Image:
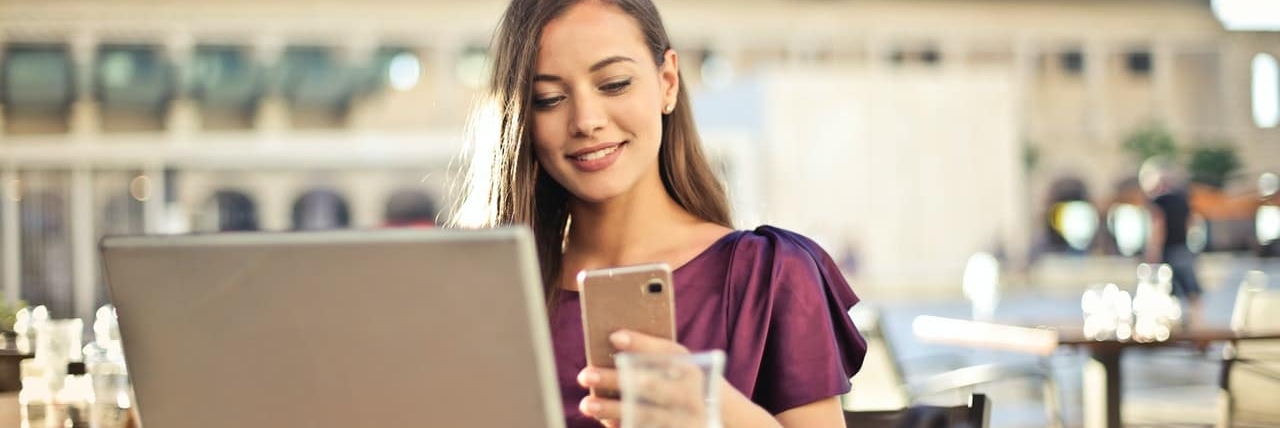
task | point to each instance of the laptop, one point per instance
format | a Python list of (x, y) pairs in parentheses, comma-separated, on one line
[(335, 329)]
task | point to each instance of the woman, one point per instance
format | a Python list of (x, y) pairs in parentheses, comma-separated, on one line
[(598, 154)]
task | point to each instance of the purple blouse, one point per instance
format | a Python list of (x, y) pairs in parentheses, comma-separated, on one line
[(772, 299)]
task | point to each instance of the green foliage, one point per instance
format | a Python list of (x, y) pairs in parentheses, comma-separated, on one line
[(1213, 165), (9, 313), (1150, 141)]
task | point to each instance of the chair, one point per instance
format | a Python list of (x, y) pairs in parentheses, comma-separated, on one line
[(892, 391), (1250, 380), (977, 414)]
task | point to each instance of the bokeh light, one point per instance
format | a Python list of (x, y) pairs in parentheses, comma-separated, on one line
[(1077, 222), (404, 71)]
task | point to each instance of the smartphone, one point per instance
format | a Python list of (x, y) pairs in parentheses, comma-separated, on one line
[(639, 298)]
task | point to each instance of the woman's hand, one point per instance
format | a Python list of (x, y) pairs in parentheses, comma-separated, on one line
[(669, 395)]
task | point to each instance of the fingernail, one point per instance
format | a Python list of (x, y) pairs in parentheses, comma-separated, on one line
[(589, 407), (588, 377), (620, 339)]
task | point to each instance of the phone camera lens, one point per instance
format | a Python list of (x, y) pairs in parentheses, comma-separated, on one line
[(655, 287)]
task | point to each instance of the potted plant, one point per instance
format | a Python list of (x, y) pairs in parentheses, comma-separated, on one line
[(1150, 141), (1213, 164), (10, 358), (8, 316)]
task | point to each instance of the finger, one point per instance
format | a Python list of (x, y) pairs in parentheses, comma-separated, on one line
[(611, 423), (630, 341), (598, 377), (600, 408)]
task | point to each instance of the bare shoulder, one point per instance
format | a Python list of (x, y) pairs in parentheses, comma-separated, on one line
[(708, 233), (692, 241)]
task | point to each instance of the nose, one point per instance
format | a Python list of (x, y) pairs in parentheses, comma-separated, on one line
[(588, 116)]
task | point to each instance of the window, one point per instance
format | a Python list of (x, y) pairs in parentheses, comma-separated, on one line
[(44, 216), (930, 56), (1266, 91), (916, 54), (1072, 222), (1139, 63), (37, 86), (134, 85), (1129, 224), (228, 211), (897, 57), (397, 68), (411, 207), (1072, 62), (227, 84), (320, 209), (318, 88)]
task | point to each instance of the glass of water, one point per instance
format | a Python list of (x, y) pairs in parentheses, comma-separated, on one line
[(670, 390)]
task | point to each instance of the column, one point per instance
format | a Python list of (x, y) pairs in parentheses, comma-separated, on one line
[(1018, 238), (954, 53), (84, 260), (877, 54), (272, 118), (12, 245), (1163, 60), (1025, 66), (367, 194), (443, 59), (355, 57), (2, 114), (154, 208), (273, 195), (1234, 88), (86, 120), (1096, 68), (183, 117)]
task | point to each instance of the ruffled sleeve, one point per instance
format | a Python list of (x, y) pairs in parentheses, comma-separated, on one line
[(791, 340)]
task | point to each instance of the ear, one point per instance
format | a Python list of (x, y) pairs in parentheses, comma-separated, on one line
[(669, 74)]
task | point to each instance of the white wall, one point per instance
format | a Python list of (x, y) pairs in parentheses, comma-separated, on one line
[(915, 170)]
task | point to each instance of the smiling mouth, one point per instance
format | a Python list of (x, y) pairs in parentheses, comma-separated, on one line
[(592, 154)]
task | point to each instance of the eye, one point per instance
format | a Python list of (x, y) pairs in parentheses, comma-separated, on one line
[(616, 86), (548, 101)]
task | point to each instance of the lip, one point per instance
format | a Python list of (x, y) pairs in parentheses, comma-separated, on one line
[(596, 164), (594, 148)]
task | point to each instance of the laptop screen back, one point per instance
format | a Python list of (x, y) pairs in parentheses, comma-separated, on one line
[(335, 329)]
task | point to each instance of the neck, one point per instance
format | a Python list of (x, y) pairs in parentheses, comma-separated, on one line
[(627, 229)]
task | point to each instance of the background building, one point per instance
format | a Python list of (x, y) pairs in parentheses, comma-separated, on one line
[(905, 135)]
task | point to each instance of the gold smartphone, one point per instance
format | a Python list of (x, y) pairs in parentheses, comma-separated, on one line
[(639, 298)]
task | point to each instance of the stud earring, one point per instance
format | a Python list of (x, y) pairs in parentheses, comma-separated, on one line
[(669, 109)]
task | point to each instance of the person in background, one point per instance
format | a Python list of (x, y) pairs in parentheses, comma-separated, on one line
[(1170, 210), (596, 151)]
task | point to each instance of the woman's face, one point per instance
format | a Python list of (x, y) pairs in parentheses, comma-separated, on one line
[(598, 99)]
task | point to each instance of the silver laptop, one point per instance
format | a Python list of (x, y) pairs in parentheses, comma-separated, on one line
[(342, 329)]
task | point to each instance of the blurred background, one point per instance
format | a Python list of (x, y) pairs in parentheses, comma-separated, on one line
[(904, 135)]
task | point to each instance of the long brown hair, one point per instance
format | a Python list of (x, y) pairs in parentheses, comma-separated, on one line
[(505, 184)]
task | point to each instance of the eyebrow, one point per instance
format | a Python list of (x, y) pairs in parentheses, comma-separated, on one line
[(594, 68)]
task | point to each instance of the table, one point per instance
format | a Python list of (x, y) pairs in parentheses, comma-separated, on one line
[(1103, 376), (1103, 373), (9, 368)]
